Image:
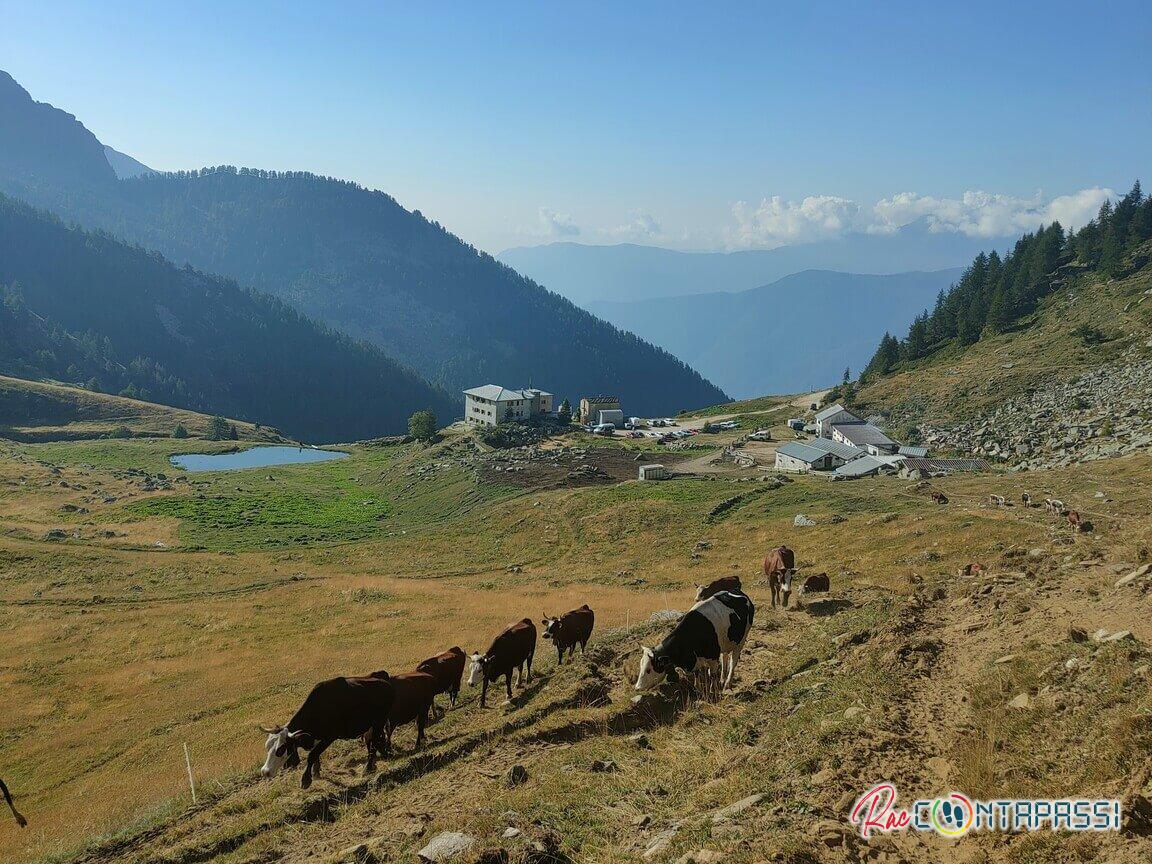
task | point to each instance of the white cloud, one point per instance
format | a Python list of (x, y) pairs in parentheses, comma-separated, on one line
[(555, 224), (777, 222), (640, 226), (984, 214)]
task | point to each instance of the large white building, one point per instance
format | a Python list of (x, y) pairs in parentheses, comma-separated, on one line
[(491, 404)]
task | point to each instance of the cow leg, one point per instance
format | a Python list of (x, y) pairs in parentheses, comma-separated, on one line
[(559, 655), (421, 722), (530, 656), (310, 767), (452, 694), (375, 735), (733, 659), (508, 684), (483, 692), (20, 820)]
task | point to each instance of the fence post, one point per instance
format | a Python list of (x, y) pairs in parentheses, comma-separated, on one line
[(188, 764)]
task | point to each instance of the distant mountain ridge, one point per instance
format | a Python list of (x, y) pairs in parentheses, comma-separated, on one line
[(628, 272), (358, 261), (124, 165), (80, 307), (797, 333)]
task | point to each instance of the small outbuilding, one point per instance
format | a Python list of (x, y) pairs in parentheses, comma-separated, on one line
[(798, 456), (653, 472)]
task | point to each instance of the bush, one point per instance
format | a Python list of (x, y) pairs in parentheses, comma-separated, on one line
[(120, 432), (422, 425), (217, 428), (180, 432)]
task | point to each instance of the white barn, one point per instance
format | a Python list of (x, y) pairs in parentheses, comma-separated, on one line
[(831, 416)]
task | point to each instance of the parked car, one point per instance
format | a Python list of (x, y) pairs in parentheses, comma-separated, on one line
[(761, 435), (604, 429), (635, 434)]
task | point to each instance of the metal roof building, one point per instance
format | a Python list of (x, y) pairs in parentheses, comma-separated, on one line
[(914, 452), (865, 466), (844, 452), (865, 436), (797, 456)]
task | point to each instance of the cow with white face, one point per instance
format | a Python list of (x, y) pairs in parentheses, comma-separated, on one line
[(706, 643), (780, 567), (511, 651), (340, 708)]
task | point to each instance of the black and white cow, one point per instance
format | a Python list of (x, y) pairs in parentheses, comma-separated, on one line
[(707, 641)]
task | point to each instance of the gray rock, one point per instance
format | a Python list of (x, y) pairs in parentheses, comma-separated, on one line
[(726, 813), (446, 846)]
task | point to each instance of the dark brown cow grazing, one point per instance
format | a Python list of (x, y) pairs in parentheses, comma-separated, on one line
[(412, 701), (779, 567), (1073, 519), (939, 498), (20, 820), (335, 709), (1026, 500), (569, 630), (448, 670), (511, 651), (724, 583)]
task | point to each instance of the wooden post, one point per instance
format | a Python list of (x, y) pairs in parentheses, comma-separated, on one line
[(188, 764)]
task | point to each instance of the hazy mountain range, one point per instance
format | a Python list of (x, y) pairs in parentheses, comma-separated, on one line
[(627, 272), (797, 333), (349, 257)]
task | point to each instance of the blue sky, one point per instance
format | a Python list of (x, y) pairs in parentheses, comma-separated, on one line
[(671, 124)]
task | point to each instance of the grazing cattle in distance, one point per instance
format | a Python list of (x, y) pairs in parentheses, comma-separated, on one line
[(997, 501), (818, 584), (724, 583), (569, 630), (20, 820), (338, 708), (448, 670), (971, 569), (1076, 522), (1054, 505), (780, 567), (939, 498), (412, 697), (711, 632), (1026, 500), (511, 650)]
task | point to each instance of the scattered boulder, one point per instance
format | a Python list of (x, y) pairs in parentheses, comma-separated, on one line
[(658, 845), (1022, 701), (726, 813), (446, 846)]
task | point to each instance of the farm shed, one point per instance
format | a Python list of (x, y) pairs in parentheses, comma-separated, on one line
[(653, 472), (796, 456)]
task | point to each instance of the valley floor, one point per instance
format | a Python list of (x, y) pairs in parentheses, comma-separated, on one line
[(138, 614)]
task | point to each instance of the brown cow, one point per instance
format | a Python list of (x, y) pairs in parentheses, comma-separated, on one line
[(780, 567), (20, 820), (448, 670), (412, 701), (939, 498), (724, 583), (511, 651), (1026, 500), (818, 584), (569, 630)]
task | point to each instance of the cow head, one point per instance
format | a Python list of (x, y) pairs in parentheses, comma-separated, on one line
[(476, 669), (283, 749), (551, 627), (786, 585), (701, 592), (653, 668)]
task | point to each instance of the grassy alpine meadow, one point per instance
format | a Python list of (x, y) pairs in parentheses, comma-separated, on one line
[(139, 615)]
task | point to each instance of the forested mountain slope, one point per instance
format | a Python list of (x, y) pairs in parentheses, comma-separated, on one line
[(1057, 306), (360, 262), (83, 307)]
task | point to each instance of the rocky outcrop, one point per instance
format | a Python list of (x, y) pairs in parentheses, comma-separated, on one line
[(1101, 414)]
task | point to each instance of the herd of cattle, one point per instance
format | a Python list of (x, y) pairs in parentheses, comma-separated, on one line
[(706, 644)]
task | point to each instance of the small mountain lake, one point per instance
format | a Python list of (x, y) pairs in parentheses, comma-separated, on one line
[(254, 457)]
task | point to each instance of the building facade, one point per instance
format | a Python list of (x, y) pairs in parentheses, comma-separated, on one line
[(491, 405), (591, 406)]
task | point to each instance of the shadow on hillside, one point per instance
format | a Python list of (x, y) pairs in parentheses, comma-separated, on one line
[(823, 608)]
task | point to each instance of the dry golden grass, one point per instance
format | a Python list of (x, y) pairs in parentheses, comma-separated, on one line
[(115, 653)]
